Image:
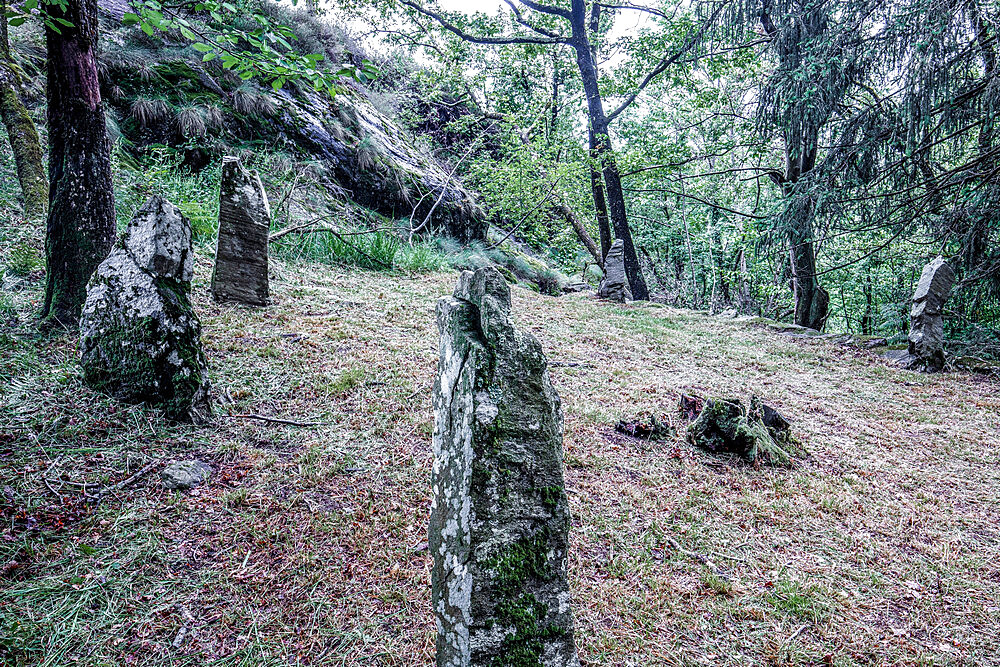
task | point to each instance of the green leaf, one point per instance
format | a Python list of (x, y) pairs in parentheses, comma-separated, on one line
[(148, 29), (130, 19), (209, 56), (201, 47)]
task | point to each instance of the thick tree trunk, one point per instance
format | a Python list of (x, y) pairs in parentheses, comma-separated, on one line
[(81, 223), (21, 131), (812, 302), (599, 124)]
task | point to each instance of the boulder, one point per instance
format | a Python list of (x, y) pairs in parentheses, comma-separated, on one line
[(614, 286), (500, 516), (185, 474), (240, 273), (140, 339), (926, 339)]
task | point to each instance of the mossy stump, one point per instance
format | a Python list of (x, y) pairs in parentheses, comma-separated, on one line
[(500, 517), (755, 432)]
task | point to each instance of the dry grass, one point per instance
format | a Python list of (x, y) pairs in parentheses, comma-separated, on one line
[(309, 545)]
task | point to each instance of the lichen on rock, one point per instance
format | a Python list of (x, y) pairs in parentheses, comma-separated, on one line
[(140, 339), (755, 432), (500, 516)]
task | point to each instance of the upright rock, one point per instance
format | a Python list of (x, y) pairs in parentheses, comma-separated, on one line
[(244, 224), (140, 340), (500, 517), (926, 348), (614, 286)]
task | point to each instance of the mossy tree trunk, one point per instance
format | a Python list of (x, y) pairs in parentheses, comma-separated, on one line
[(81, 222), (21, 132)]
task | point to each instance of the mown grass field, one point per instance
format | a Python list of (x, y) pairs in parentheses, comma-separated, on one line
[(308, 546)]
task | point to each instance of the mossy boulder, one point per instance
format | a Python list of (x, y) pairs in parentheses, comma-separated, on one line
[(500, 517), (140, 339)]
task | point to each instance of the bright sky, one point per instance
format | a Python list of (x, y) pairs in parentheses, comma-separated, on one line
[(472, 6)]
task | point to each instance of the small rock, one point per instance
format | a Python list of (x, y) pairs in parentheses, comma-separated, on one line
[(756, 433), (185, 474)]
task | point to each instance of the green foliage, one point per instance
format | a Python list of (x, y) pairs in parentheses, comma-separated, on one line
[(375, 251)]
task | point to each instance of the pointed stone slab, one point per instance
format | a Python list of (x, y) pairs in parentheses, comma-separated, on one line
[(926, 339), (500, 517), (614, 286), (240, 273)]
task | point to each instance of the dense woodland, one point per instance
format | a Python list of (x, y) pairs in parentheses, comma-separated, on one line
[(767, 167), (798, 160)]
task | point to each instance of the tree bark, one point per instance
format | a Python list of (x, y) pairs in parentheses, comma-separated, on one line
[(81, 223), (599, 125), (600, 205), (581, 232), (21, 132)]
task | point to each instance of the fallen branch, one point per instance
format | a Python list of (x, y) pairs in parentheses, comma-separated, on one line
[(275, 420), (128, 481), (692, 554)]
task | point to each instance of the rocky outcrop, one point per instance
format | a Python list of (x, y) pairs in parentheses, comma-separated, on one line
[(614, 286), (500, 516), (926, 339), (140, 340), (240, 273)]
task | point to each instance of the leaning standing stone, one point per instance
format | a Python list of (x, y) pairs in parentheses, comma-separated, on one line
[(241, 252), (614, 286), (926, 346), (500, 517), (140, 340)]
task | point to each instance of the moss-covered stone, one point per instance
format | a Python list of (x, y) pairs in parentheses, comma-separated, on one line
[(500, 517), (140, 339)]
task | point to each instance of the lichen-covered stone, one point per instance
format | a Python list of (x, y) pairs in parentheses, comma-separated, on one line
[(240, 273), (140, 340), (185, 474), (926, 340), (614, 286), (500, 516)]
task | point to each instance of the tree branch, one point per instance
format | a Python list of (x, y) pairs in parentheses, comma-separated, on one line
[(667, 61), (480, 39)]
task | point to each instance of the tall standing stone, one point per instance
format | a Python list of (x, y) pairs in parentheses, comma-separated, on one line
[(500, 517), (614, 286), (240, 273), (140, 340), (926, 346)]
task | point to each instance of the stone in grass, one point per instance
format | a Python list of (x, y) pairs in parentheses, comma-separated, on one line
[(500, 517), (185, 474), (140, 339), (614, 286), (240, 273), (926, 339), (757, 433)]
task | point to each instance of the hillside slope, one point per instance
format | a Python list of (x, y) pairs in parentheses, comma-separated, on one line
[(308, 547)]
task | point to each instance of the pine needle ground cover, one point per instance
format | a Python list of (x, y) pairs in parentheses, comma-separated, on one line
[(308, 546)]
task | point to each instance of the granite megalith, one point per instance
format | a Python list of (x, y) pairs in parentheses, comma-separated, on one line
[(926, 339), (140, 339), (614, 286), (240, 273), (500, 516)]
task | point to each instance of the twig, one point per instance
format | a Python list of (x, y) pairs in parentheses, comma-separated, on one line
[(128, 481), (794, 635), (275, 420), (691, 554)]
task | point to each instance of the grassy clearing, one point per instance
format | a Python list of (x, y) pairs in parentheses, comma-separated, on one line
[(309, 545)]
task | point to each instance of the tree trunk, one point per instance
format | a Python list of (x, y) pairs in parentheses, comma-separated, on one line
[(581, 232), (21, 131), (600, 205), (812, 302), (81, 223), (599, 125)]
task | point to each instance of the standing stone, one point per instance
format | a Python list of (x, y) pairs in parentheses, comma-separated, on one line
[(244, 224), (614, 286), (500, 517), (926, 349), (140, 340)]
